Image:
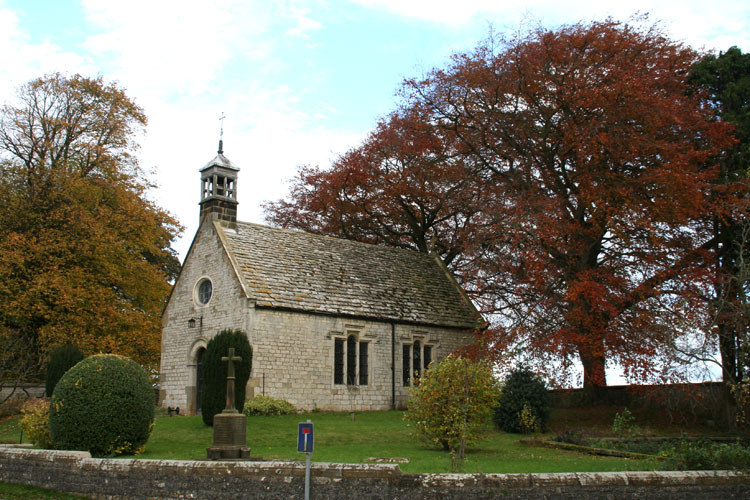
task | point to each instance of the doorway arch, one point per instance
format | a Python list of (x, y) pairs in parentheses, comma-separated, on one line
[(194, 382)]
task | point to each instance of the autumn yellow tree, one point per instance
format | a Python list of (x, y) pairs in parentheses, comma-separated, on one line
[(85, 257)]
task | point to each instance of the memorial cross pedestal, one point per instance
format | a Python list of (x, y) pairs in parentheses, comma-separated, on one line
[(230, 440)]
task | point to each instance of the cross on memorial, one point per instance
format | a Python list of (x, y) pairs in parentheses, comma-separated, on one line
[(230, 358)]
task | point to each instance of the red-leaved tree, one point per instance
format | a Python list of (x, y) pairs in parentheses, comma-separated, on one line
[(584, 173), (405, 186), (602, 157)]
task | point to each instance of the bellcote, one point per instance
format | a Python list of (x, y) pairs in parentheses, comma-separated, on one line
[(219, 189)]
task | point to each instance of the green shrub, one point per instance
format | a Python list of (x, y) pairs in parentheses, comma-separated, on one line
[(35, 422), (528, 421), (452, 403), (522, 388), (104, 405), (624, 424), (61, 360), (214, 393), (705, 455), (266, 405)]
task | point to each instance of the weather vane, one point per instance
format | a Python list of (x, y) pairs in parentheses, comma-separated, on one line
[(221, 134)]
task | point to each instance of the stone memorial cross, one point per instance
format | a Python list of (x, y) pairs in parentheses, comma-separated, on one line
[(230, 358)]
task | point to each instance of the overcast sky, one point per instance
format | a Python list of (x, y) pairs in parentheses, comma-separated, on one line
[(299, 81)]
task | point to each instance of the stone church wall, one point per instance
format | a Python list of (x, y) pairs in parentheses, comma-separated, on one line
[(293, 352), (180, 340), (293, 358)]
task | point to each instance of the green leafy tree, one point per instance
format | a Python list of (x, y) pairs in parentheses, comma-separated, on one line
[(62, 359), (214, 393), (452, 403), (724, 82), (85, 257)]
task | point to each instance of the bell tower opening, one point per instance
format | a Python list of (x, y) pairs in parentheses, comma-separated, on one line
[(219, 189)]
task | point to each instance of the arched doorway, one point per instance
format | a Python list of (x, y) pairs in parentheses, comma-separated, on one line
[(199, 378)]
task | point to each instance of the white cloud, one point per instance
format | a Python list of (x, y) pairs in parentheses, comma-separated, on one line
[(170, 48), (265, 135), (185, 63), (713, 25), (304, 23), (22, 60)]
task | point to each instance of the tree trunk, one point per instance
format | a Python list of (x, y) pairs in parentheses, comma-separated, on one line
[(729, 312), (594, 376)]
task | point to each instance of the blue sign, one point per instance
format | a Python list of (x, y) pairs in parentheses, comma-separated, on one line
[(305, 437)]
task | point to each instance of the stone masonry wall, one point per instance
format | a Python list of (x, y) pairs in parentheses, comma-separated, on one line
[(293, 358), (77, 472), (226, 309), (293, 352)]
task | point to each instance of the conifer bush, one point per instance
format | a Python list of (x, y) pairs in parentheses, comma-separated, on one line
[(214, 393), (61, 360), (104, 405), (523, 399)]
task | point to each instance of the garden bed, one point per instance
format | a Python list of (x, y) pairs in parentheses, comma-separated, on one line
[(683, 452)]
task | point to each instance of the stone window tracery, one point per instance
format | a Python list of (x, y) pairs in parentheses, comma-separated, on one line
[(350, 361)]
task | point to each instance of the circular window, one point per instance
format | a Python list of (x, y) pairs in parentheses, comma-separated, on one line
[(204, 292)]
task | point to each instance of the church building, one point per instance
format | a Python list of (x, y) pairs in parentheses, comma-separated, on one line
[(333, 324)]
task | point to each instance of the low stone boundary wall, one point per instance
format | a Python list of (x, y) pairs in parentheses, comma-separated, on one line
[(77, 472), (21, 390)]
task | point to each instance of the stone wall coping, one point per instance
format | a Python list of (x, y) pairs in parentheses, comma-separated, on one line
[(389, 472)]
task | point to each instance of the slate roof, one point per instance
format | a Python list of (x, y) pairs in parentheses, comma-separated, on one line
[(220, 161), (288, 269)]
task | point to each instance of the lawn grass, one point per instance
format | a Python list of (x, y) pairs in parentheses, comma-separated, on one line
[(339, 438), (9, 430), (384, 434), (9, 491)]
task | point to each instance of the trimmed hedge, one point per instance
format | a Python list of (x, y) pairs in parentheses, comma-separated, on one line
[(266, 405), (104, 405), (214, 393), (522, 388), (60, 361)]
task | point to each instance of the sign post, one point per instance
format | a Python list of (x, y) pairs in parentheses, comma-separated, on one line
[(305, 444)]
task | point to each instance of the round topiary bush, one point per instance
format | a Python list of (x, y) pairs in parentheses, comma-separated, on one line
[(523, 404), (214, 393), (104, 405), (60, 361)]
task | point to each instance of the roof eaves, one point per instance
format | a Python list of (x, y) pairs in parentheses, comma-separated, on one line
[(382, 319)]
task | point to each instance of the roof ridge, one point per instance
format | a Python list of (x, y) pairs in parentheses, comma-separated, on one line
[(334, 238)]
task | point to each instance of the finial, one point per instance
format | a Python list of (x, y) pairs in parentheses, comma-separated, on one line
[(221, 134)]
